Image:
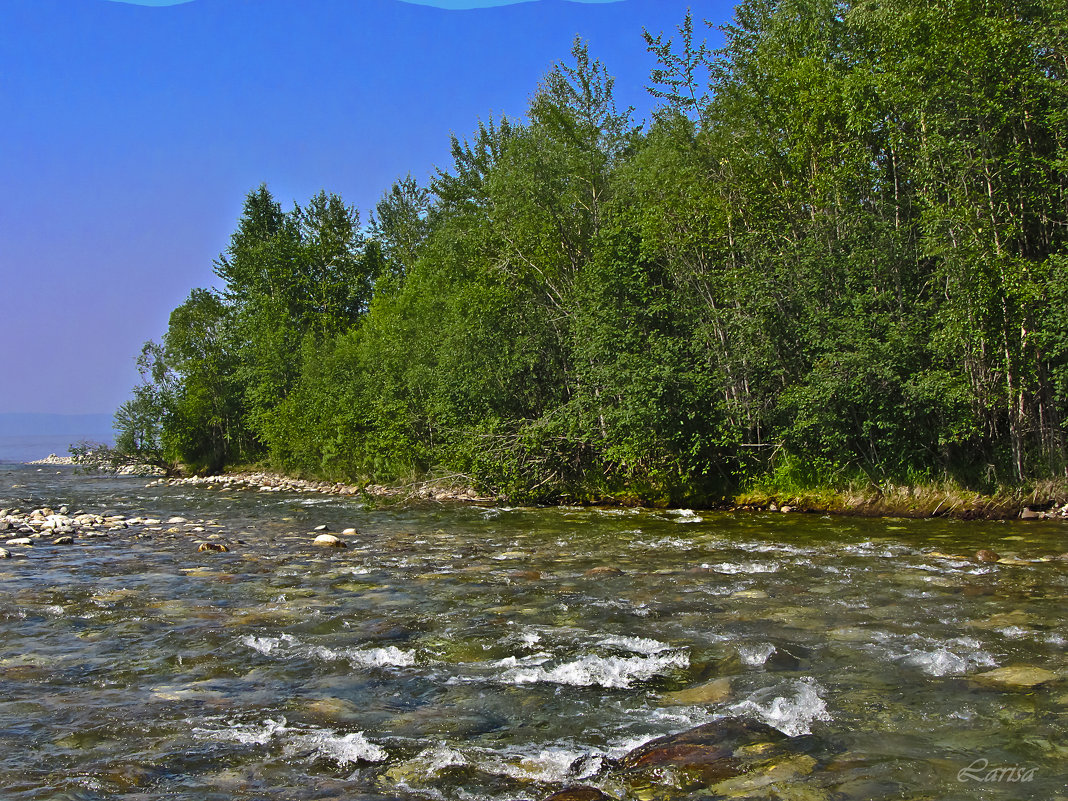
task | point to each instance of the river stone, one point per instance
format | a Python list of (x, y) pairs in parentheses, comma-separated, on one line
[(525, 575), (4, 554), (1016, 677), (212, 546), (751, 594), (328, 541), (578, 794), (63, 541), (177, 520), (712, 692), (26, 541), (1001, 620), (337, 711), (984, 555)]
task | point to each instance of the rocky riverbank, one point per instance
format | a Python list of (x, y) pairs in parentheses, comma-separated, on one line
[(58, 528), (436, 490), (53, 459)]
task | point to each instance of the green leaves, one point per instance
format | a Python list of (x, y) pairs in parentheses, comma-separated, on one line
[(837, 251)]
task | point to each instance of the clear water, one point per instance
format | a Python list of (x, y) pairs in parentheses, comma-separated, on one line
[(464, 652)]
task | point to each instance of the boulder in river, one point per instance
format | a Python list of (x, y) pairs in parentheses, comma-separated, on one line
[(984, 555), (698, 757)]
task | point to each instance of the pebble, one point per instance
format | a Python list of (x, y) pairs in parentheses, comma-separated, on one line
[(329, 541)]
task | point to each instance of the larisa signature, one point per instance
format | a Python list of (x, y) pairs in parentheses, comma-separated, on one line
[(980, 771)]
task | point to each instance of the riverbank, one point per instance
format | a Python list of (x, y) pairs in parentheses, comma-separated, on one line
[(1040, 501), (1046, 500)]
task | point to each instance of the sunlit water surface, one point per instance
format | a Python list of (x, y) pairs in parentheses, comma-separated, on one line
[(467, 652)]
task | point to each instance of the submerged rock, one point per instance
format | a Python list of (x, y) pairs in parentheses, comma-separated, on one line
[(1016, 677), (712, 692), (578, 794), (603, 570)]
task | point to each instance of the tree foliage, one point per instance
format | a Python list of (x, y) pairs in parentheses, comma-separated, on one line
[(838, 249)]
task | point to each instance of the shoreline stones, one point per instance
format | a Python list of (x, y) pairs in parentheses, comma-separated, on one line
[(273, 482)]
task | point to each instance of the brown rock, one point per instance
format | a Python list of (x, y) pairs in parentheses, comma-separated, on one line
[(603, 570), (63, 541), (720, 736), (526, 575), (983, 555), (212, 546)]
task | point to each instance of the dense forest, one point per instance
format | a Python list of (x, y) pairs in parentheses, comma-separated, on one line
[(837, 252)]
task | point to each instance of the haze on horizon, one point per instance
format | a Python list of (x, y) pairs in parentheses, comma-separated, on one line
[(132, 135)]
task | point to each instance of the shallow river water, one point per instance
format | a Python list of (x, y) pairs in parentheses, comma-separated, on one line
[(474, 652)]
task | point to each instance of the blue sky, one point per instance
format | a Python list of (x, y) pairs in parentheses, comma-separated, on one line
[(132, 131)]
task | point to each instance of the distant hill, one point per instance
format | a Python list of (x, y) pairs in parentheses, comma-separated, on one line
[(80, 426)]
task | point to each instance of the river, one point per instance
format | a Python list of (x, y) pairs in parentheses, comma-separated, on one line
[(483, 652)]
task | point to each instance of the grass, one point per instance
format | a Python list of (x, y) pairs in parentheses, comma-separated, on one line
[(945, 498)]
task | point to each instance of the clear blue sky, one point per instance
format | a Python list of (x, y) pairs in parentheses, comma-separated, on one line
[(131, 131)]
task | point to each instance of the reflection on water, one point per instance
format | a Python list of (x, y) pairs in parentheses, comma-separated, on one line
[(456, 652)]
